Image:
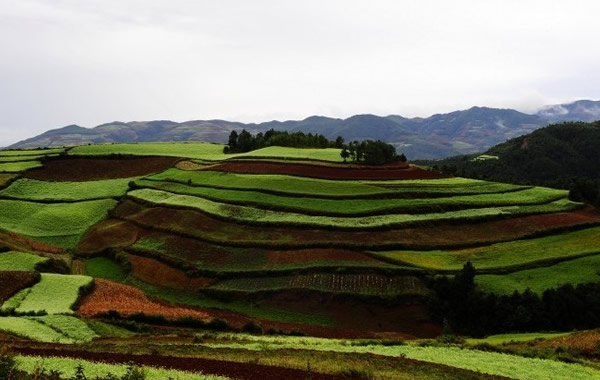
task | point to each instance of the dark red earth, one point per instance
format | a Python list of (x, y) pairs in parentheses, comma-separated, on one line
[(383, 172), (91, 169), (246, 371)]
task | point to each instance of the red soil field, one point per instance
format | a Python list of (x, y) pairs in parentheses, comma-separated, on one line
[(22, 243), (156, 273), (13, 281), (109, 233), (246, 371), (587, 341), (195, 224), (128, 300), (90, 169), (385, 172)]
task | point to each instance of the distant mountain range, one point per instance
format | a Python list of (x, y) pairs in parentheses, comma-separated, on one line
[(437, 136)]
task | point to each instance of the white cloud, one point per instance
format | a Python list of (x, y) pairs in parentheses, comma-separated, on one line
[(89, 62)]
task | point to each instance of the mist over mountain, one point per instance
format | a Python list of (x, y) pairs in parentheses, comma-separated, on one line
[(438, 136)]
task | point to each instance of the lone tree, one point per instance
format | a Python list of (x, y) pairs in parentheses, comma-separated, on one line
[(345, 154)]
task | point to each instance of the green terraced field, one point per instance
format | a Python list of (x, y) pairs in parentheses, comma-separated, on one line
[(5, 179), (259, 216), (576, 271), (318, 206), (31, 152), (54, 294), (92, 370), (271, 183), (363, 284), (16, 167), (31, 189), (508, 338), (32, 329), (327, 154), (19, 261), (60, 224), (103, 267), (70, 327), (512, 366), (509, 254)]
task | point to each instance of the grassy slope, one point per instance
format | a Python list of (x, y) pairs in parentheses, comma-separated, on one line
[(71, 327), (203, 151), (54, 294), (512, 253), (577, 271), (19, 261), (30, 152), (59, 224), (259, 216), (103, 267), (31, 189), (32, 329), (5, 179)]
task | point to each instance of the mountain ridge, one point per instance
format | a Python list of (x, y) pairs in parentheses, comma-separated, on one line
[(437, 136)]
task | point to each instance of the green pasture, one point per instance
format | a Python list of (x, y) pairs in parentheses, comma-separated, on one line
[(507, 254), (31, 189), (350, 207), (517, 338), (16, 167), (54, 294), (19, 261), (321, 154), (60, 224), (252, 215), (4, 159), (93, 370), (574, 272)]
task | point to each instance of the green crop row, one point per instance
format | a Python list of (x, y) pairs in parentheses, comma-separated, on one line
[(349, 207), (31, 189), (16, 167), (32, 329), (513, 253), (494, 363), (92, 370), (69, 326), (251, 215), (59, 224), (54, 294), (576, 271)]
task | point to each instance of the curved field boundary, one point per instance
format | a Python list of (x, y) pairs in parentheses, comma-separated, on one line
[(290, 186), (20, 261), (249, 215), (196, 225), (350, 165), (11, 282), (508, 255), (327, 172), (30, 152), (25, 158), (32, 329), (363, 207)]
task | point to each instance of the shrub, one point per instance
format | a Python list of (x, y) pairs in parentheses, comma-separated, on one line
[(253, 328)]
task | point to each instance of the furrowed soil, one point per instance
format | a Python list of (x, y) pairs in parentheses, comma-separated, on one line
[(156, 273), (195, 224), (384, 172), (90, 169)]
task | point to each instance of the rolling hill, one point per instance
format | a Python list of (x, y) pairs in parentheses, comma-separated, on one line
[(437, 136)]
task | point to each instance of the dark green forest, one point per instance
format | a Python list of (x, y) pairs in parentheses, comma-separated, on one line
[(563, 156)]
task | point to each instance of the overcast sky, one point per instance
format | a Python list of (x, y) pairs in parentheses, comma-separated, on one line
[(88, 62)]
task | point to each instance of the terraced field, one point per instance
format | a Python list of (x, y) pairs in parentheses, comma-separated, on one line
[(282, 240)]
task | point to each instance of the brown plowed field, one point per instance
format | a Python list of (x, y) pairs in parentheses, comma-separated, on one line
[(245, 371), (91, 169), (13, 281), (195, 224), (386, 172), (109, 233), (128, 300), (156, 273), (276, 258)]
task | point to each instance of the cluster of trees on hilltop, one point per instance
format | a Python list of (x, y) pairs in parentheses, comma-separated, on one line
[(470, 311), (368, 152), (563, 156)]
